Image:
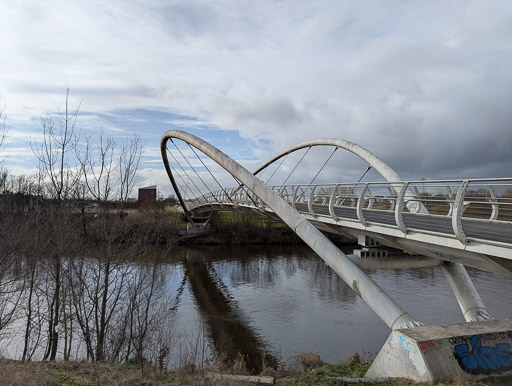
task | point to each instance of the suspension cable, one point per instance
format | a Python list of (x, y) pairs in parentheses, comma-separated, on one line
[(325, 163), (358, 181), (278, 167), (197, 174), (307, 151), (244, 188), (188, 194), (194, 170), (221, 188), (262, 171), (184, 171), (364, 174), (181, 179)]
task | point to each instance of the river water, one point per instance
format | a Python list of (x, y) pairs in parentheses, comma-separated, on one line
[(283, 300), (271, 302)]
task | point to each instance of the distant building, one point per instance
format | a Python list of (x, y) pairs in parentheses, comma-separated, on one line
[(147, 194)]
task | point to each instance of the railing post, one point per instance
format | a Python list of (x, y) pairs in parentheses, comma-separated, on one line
[(360, 205), (494, 204), (458, 210), (322, 192), (399, 208), (451, 198), (371, 200), (331, 203), (310, 201), (392, 199), (282, 190), (294, 197)]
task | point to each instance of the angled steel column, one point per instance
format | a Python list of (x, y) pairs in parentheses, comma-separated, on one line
[(470, 302), (380, 302)]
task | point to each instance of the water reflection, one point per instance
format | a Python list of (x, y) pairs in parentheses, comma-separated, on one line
[(230, 332), (288, 301)]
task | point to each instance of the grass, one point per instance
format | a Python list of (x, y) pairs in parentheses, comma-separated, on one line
[(79, 373), (308, 369), (329, 375)]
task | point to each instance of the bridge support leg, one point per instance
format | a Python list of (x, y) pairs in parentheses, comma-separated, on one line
[(469, 350), (469, 299), (439, 353)]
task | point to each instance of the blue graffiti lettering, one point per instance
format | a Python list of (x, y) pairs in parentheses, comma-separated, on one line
[(483, 360)]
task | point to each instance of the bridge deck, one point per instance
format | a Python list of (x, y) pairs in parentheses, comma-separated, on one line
[(491, 231)]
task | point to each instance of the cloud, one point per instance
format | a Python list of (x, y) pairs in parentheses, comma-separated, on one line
[(426, 86)]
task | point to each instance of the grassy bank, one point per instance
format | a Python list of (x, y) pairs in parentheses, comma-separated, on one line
[(308, 370), (238, 228)]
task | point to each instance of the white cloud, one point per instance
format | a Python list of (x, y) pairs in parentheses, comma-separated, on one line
[(426, 86)]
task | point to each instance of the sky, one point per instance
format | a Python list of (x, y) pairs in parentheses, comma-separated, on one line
[(426, 86)]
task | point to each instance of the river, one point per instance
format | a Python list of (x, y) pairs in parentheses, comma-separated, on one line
[(284, 300), (227, 302)]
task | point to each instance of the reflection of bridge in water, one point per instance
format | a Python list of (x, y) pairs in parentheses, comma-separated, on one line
[(454, 222), (229, 330)]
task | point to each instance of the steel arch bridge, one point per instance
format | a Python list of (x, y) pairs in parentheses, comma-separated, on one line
[(461, 223)]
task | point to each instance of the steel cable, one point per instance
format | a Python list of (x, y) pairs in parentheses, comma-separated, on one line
[(358, 181), (220, 186), (194, 170), (184, 171), (307, 151), (325, 163), (284, 158)]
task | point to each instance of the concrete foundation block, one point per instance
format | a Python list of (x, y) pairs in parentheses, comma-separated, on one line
[(367, 241), (370, 253), (432, 353)]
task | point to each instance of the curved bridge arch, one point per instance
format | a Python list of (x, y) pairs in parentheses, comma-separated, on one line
[(375, 162), (380, 302), (386, 171)]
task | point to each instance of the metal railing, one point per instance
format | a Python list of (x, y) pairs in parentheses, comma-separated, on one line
[(476, 209)]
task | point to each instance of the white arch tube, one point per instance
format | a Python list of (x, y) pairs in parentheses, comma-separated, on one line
[(380, 302), (386, 171)]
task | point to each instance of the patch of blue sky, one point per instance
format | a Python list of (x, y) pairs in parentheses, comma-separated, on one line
[(149, 125)]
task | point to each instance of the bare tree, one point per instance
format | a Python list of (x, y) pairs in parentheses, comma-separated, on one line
[(98, 289), (100, 282), (12, 283), (3, 130), (55, 152), (131, 152), (98, 167)]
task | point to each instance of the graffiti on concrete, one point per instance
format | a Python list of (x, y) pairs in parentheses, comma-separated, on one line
[(406, 344), (502, 335), (476, 359), (428, 345)]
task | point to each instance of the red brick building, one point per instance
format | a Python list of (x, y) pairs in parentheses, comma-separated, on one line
[(147, 194)]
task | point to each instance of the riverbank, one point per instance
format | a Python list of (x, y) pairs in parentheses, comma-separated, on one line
[(87, 373), (238, 228)]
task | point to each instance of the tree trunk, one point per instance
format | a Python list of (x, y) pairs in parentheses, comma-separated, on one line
[(55, 333), (29, 311)]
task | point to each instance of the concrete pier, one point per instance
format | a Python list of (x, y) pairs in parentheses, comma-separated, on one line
[(432, 353)]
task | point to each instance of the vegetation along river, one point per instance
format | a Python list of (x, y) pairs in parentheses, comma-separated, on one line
[(208, 303)]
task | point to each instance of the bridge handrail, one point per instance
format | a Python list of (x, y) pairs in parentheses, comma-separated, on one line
[(456, 199)]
